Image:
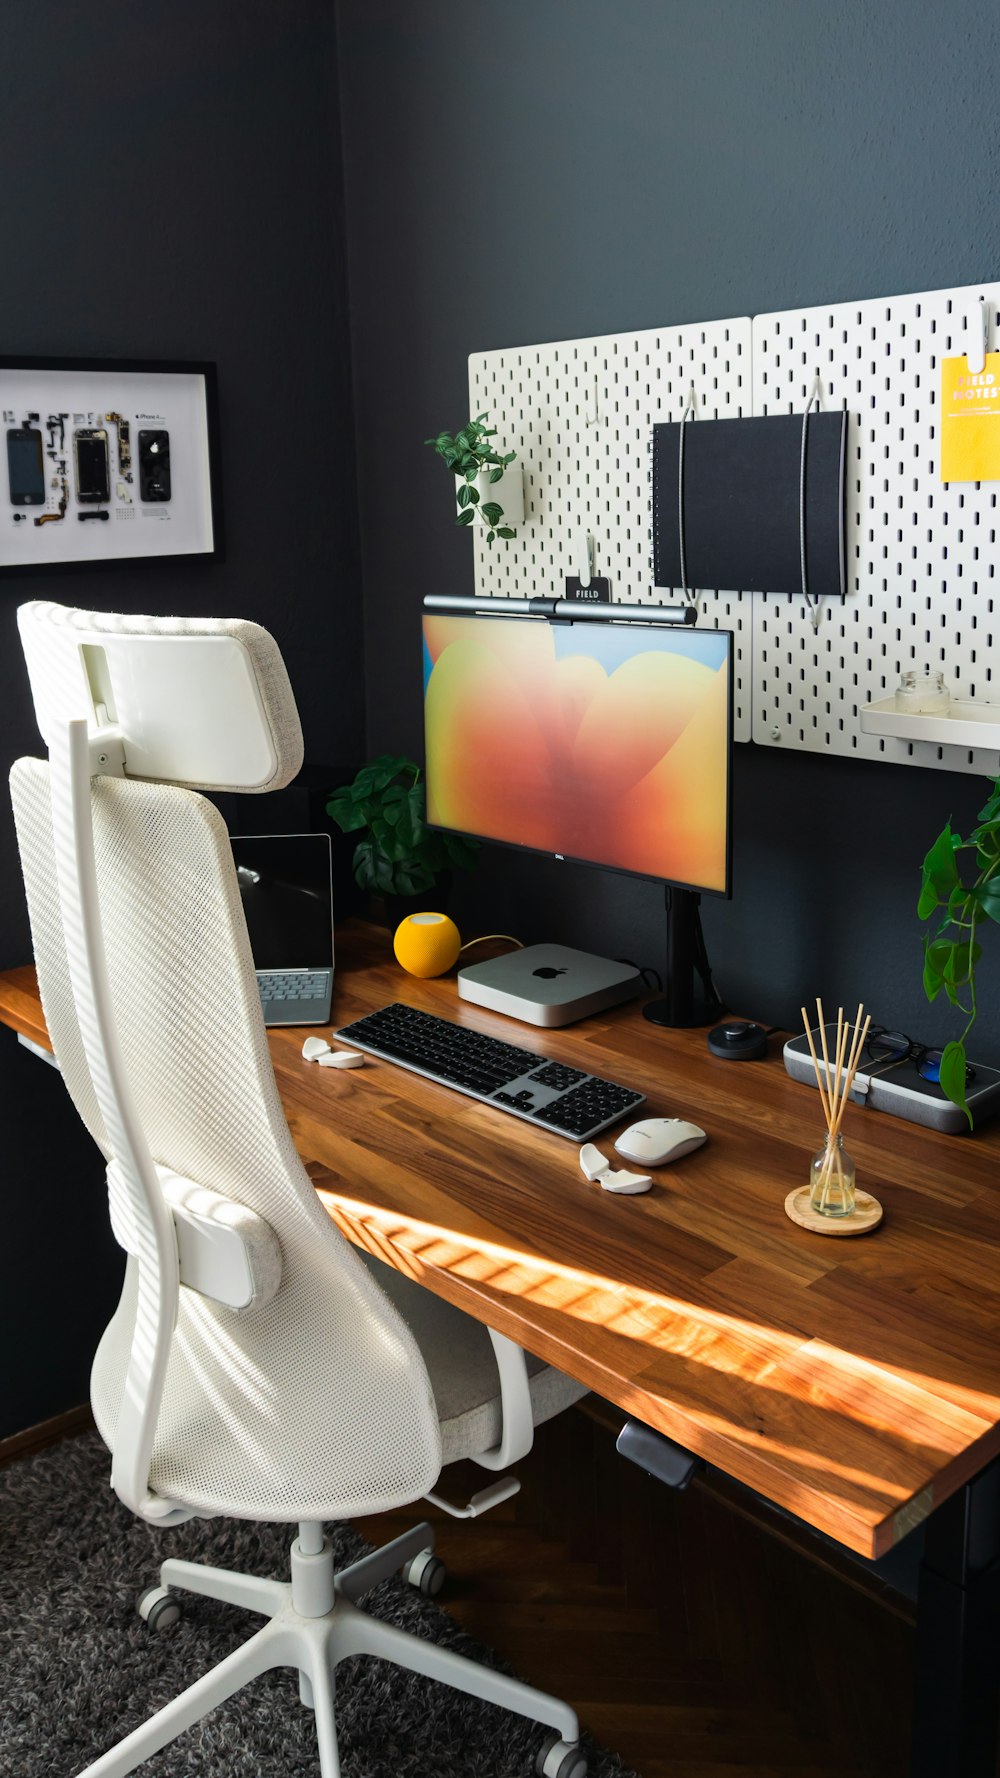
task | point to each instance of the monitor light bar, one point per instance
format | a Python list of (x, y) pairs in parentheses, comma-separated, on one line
[(559, 610)]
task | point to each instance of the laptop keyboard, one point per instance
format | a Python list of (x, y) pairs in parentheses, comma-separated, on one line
[(276, 986), (565, 1100)]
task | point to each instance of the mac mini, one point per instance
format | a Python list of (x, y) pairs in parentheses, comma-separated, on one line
[(548, 984)]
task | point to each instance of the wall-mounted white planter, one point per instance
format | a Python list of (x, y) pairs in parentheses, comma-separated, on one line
[(508, 492), (966, 723)]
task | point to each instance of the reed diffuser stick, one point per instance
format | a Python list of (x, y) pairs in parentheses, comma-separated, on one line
[(839, 1062), (822, 1037), (852, 1067), (815, 1058)]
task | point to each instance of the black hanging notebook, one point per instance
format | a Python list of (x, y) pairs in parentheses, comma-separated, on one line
[(741, 503)]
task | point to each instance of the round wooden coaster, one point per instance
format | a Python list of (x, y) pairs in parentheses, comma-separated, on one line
[(867, 1215)]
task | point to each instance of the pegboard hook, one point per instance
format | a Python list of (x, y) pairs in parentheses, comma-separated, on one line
[(978, 324), (813, 605), (585, 564), (690, 413)]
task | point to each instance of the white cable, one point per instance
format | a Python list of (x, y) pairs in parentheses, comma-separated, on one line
[(812, 604), (689, 413)]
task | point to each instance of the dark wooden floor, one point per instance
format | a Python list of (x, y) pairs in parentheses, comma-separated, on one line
[(692, 1640)]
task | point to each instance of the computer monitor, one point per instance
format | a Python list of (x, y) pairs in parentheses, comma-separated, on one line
[(608, 743)]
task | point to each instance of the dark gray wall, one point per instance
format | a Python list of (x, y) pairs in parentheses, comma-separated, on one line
[(172, 189), (547, 169)]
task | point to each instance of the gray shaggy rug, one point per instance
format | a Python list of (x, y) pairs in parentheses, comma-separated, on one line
[(79, 1669)]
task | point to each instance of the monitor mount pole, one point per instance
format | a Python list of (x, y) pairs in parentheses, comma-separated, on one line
[(686, 956)]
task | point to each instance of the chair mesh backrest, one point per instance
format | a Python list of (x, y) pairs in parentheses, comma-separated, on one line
[(318, 1404)]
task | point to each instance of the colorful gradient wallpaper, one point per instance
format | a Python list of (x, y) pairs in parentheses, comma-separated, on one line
[(603, 742)]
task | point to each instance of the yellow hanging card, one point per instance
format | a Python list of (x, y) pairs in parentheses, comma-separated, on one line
[(970, 421)]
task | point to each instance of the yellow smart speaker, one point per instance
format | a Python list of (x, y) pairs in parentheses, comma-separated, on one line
[(427, 944)]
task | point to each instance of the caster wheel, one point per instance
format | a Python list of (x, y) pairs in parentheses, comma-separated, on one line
[(557, 1758), (159, 1607), (426, 1572)]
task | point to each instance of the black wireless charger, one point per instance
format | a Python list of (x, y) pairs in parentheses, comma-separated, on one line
[(738, 1041)]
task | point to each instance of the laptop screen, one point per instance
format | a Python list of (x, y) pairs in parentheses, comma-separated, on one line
[(286, 884)]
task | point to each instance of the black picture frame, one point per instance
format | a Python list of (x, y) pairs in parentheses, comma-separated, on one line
[(123, 557)]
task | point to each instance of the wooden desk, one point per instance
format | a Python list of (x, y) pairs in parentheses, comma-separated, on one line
[(855, 1383)]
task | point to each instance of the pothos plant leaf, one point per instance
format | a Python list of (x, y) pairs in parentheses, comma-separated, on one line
[(469, 453), (940, 873), (935, 958), (951, 957), (952, 1075), (988, 896)]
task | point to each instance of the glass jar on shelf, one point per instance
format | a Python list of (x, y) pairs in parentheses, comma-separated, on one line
[(922, 692)]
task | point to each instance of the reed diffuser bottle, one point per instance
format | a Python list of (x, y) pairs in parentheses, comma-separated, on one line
[(832, 1172), (831, 1179)]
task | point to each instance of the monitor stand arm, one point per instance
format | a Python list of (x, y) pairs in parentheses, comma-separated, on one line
[(686, 955)]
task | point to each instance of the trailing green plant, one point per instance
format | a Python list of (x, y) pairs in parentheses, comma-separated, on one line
[(952, 951), (398, 854), (469, 453)]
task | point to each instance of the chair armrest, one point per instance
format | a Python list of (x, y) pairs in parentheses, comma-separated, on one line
[(517, 1426)]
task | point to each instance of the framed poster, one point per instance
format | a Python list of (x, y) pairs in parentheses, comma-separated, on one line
[(107, 461)]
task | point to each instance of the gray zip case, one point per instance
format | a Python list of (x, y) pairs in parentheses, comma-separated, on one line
[(900, 1090)]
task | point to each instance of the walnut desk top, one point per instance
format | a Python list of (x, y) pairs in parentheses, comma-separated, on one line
[(856, 1383)]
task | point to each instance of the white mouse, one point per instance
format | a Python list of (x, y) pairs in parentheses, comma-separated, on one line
[(657, 1140)]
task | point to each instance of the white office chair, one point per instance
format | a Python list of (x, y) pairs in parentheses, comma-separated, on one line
[(255, 1366)]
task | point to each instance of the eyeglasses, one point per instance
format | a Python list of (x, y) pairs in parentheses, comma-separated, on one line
[(890, 1049)]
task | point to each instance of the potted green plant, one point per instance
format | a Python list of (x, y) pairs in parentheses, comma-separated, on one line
[(952, 951), (397, 854), (479, 468)]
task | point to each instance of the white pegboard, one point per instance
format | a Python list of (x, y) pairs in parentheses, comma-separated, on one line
[(580, 415), (920, 554)]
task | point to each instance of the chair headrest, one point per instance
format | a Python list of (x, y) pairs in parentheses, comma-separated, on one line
[(203, 702)]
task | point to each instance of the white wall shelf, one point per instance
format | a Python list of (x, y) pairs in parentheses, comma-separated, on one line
[(967, 724)]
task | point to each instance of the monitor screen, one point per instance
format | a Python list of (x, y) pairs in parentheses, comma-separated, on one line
[(606, 743), (286, 886)]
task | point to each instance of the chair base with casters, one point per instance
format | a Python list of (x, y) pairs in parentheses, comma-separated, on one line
[(313, 1624)]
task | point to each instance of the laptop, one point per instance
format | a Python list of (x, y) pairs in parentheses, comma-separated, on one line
[(286, 882)]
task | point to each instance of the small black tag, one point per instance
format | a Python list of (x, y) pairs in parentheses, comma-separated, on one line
[(597, 593)]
